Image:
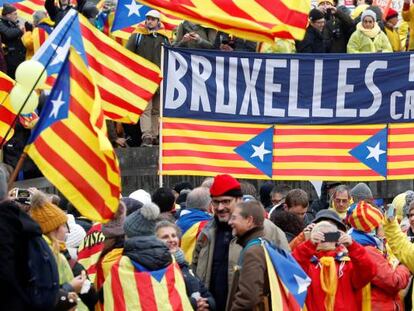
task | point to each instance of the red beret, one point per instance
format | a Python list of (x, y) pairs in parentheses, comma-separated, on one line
[(391, 14), (225, 185)]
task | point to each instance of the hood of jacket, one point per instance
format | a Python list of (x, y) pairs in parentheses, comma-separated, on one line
[(148, 251)]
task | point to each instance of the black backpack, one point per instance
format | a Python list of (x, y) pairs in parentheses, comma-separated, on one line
[(43, 284)]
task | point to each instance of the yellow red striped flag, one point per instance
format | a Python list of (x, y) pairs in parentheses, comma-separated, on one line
[(125, 80), (206, 148), (7, 113), (25, 9), (127, 288), (69, 144), (257, 20)]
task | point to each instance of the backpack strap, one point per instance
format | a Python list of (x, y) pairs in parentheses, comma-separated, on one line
[(137, 41), (248, 245)]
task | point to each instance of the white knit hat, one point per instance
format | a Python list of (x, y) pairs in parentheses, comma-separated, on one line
[(141, 195), (74, 237), (368, 13)]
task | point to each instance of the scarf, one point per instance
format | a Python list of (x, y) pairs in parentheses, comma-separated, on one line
[(370, 33), (329, 281), (366, 239)]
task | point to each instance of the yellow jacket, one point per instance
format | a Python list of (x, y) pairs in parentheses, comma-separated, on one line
[(408, 16), (279, 46), (394, 38), (397, 240), (360, 43)]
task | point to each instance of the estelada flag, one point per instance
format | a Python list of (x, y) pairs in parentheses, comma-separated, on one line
[(130, 288), (257, 20), (191, 222), (7, 113), (70, 145)]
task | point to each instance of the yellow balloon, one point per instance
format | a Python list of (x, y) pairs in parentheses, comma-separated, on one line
[(28, 72), (18, 96)]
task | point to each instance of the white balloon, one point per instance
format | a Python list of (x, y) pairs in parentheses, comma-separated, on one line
[(18, 96), (28, 72)]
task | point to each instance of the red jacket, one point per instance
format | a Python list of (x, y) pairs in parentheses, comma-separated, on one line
[(353, 275), (386, 285)]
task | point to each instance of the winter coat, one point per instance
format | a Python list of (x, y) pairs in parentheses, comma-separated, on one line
[(11, 36), (338, 29), (3, 65), (360, 43), (203, 253), (56, 13), (408, 16), (207, 36), (148, 251), (400, 246), (148, 44), (312, 43), (194, 285), (352, 275), (387, 283), (15, 228), (394, 38), (250, 288)]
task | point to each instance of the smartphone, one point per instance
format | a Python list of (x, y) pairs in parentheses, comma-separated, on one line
[(390, 211), (332, 236)]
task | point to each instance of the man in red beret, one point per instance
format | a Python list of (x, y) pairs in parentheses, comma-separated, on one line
[(216, 253)]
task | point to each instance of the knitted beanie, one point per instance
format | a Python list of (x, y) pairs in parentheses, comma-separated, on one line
[(361, 192), (141, 195), (74, 237), (7, 9), (225, 185), (368, 13), (391, 14), (315, 15), (409, 198), (330, 2), (47, 215), (365, 217), (115, 227), (142, 222)]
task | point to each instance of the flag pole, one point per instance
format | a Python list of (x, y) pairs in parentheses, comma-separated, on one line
[(161, 118), (23, 156)]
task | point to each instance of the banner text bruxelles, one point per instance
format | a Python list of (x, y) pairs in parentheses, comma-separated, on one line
[(283, 88)]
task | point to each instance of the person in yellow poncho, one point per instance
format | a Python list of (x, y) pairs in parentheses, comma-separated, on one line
[(368, 38), (391, 21)]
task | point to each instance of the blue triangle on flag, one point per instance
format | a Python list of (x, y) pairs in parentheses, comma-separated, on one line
[(128, 13), (258, 151), (373, 152)]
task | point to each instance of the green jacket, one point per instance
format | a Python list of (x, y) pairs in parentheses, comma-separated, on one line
[(360, 43)]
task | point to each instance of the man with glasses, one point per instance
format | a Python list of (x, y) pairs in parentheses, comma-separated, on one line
[(216, 252), (341, 200)]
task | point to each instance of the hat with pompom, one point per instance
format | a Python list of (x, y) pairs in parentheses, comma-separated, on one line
[(365, 217), (142, 222), (46, 214)]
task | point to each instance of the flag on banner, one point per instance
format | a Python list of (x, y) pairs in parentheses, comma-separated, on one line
[(257, 20), (308, 152), (191, 222), (125, 80), (130, 287), (288, 282), (7, 113), (70, 145)]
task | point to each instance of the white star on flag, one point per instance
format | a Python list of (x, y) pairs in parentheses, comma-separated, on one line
[(133, 8), (260, 151), (302, 283), (375, 152), (57, 103), (61, 52)]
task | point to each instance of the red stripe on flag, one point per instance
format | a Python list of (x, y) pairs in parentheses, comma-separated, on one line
[(211, 168), (117, 55), (74, 177), (145, 291), (401, 171), (6, 84), (313, 159), (6, 115), (202, 141), (113, 98), (117, 291), (117, 77), (400, 144), (173, 295), (200, 154), (400, 158), (23, 8), (400, 131), (285, 15), (310, 172), (83, 81), (315, 145), (330, 131), (212, 128)]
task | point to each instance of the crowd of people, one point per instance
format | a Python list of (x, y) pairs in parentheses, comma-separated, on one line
[(357, 255)]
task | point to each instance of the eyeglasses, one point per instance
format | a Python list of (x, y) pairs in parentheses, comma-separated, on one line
[(410, 215), (337, 200), (224, 202)]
